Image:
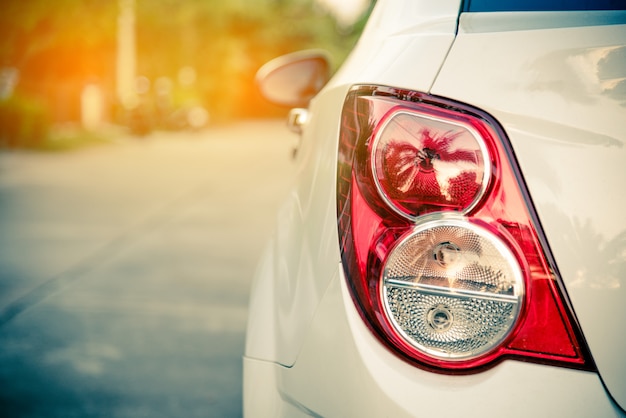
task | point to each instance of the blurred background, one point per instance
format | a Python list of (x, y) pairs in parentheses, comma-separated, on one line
[(158, 64), (140, 176)]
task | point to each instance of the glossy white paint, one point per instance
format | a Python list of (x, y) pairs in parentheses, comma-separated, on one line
[(308, 352), (560, 95), (403, 45), (304, 252), (344, 371), (261, 397), (294, 272)]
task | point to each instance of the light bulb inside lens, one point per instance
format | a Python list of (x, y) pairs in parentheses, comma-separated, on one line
[(456, 299)]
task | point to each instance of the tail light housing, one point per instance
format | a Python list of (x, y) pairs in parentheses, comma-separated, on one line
[(440, 245)]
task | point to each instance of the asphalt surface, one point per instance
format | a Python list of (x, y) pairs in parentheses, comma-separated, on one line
[(125, 271)]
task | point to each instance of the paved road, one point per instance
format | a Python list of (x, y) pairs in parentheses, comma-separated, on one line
[(125, 271)]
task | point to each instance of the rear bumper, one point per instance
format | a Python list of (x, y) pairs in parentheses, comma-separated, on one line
[(342, 370)]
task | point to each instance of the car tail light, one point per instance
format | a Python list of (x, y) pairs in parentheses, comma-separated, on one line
[(440, 245)]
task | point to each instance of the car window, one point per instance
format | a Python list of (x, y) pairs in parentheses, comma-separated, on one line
[(541, 5)]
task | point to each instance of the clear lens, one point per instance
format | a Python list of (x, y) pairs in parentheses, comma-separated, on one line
[(451, 289), (420, 162)]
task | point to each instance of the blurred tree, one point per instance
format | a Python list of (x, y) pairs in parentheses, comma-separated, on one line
[(226, 42), (59, 47)]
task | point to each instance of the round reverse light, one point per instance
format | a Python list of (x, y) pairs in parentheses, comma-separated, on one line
[(423, 163), (452, 289)]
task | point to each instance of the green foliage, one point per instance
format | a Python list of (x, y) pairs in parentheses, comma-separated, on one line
[(73, 137), (226, 42), (24, 123), (60, 46)]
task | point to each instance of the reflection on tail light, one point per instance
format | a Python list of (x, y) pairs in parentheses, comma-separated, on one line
[(441, 249)]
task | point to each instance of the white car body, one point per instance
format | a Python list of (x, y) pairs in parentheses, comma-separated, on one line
[(556, 82)]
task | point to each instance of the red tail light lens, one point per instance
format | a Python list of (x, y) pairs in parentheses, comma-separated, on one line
[(423, 161), (439, 243)]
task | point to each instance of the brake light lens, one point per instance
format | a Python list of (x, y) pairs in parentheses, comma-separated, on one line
[(422, 161), (439, 243)]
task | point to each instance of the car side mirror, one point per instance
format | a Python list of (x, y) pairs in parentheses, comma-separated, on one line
[(292, 80)]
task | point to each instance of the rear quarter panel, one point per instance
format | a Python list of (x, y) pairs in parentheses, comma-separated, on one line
[(404, 44), (557, 84)]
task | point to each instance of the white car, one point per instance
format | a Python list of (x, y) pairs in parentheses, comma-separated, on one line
[(455, 241)]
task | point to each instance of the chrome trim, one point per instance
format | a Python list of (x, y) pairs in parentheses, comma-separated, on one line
[(450, 292), (296, 119)]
